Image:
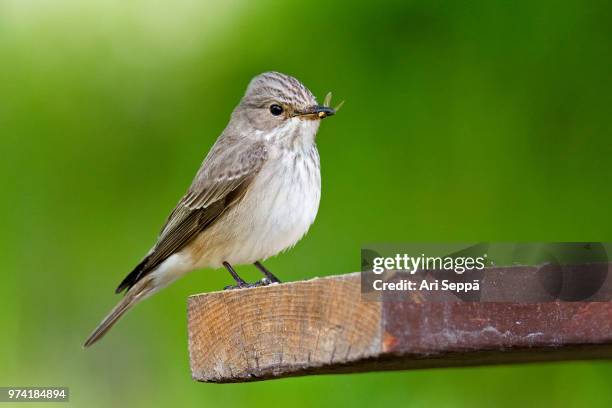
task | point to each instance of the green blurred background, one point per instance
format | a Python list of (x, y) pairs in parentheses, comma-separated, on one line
[(464, 121)]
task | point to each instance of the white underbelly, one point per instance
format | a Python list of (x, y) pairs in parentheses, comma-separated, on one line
[(277, 210)]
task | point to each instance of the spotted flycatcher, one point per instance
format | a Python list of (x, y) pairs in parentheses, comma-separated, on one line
[(255, 195)]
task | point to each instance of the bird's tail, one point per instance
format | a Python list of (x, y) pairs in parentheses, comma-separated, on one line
[(138, 292)]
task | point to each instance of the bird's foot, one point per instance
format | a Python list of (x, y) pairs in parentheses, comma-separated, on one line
[(269, 275), (274, 280), (245, 285)]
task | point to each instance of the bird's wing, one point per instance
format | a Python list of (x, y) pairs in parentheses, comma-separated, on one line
[(221, 182)]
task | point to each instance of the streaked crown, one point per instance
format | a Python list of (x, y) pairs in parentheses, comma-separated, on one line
[(280, 87)]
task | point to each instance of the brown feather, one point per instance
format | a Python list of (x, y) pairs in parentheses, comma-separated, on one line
[(212, 193), (133, 296)]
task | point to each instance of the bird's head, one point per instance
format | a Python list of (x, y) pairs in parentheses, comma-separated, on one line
[(279, 108)]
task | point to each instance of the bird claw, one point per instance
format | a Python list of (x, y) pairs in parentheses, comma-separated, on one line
[(246, 285)]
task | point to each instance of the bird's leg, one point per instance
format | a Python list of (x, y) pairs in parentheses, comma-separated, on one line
[(238, 279), (241, 283), (269, 275)]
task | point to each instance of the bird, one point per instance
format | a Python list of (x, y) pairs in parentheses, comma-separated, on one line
[(255, 195)]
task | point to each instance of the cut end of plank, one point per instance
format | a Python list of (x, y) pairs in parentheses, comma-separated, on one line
[(291, 328)]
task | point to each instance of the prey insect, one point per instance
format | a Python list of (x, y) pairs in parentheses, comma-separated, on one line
[(327, 102)]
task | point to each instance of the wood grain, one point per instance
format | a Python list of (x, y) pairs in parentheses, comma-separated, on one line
[(264, 332)]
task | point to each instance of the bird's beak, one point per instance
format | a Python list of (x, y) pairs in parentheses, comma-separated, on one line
[(316, 112)]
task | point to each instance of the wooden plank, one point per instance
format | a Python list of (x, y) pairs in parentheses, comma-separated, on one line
[(325, 325)]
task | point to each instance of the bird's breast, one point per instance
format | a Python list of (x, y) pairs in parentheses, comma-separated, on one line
[(285, 200), (278, 208)]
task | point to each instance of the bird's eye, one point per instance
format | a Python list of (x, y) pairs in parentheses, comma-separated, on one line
[(276, 109)]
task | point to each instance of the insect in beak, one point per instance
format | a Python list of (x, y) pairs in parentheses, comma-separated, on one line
[(316, 112), (327, 102), (320, 111)]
